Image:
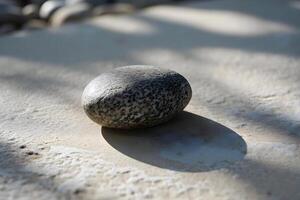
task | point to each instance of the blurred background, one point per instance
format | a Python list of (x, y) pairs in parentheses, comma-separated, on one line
[(32, 14)]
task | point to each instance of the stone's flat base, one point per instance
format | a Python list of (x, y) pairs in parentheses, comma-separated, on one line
[(242, 61)]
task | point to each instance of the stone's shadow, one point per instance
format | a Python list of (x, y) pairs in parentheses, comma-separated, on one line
[(188, 143)]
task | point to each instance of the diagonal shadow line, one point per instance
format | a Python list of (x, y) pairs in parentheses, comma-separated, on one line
[(280, 125), (50, 86), (203, 38), (272, 10)]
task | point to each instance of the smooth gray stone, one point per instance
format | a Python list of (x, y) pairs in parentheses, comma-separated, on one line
[(145, 3), (38, 2), (135, 96), (70, 13), (91, 2), (49, 7), (31, 11), (11, 14), (117, 8)]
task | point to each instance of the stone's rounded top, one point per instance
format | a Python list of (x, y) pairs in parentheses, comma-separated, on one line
[(122, 78), (135, 96)]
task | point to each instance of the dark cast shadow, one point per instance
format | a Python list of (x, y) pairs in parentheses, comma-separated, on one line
[(188, 143)]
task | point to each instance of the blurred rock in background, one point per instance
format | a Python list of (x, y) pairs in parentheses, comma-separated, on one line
[(32, 14)]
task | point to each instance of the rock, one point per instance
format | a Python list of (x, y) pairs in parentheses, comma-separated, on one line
[(91, 2), (135, 96), (70, 13), (117, 8), (145, 3), (21, 3), (31, 11), (38, 2), (49, 7), (11, 15), (72, 2)]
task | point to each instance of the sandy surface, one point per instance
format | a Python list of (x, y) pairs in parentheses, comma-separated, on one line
[(239, 136)]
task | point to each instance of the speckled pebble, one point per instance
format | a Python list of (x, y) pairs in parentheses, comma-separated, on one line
[(135, 96)]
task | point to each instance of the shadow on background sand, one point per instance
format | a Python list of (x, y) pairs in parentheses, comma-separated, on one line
[(187, 143)]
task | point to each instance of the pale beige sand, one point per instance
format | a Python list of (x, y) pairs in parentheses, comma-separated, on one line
[(242, 60)]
